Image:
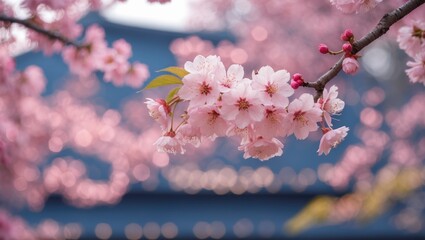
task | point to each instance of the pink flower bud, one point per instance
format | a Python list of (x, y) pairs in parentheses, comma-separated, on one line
[(297, 76), (350, 65), (347, 35), (295, 84), (323, 48), (347, 47), (300, 81)]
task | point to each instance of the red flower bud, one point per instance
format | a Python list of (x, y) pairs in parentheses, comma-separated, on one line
[(347, 47), (295, 85), (323, 48), (297, 76), (300, 81), (347, 35)]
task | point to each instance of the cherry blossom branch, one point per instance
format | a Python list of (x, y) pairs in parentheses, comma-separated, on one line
[(380, 29), (30, 25)]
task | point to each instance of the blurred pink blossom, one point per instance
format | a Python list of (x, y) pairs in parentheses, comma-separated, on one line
[(137, 75), (87, 59), (33, 81), (354, 6), (416, 72), (411, 37)]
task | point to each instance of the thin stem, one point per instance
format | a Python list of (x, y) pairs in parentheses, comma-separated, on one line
[(30, 25), (380, 29)]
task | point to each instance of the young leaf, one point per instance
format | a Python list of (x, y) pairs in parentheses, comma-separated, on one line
[(163, 80), (171, 94), (178, 71)]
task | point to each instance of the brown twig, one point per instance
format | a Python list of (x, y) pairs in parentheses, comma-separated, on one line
[(380, 29), (30, 25)]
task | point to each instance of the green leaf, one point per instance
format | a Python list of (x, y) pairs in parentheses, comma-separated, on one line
[(178, 71), (171, 94), (163, 80)]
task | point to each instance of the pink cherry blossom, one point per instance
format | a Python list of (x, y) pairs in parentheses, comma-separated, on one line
[(331, 139), (200, 89), (416, 72), (7, 64), (87, 59), (272, 86), (66, 25), (169, 143), (242, 105), (137, 75), (209, 121), (273, 123), (203, 65), (350, 65), (330, 104), (188, 133), (346, 6), (115, 64), (33, 81), (303, 116), (354, 6), (115, 67), (262, 149), (159, 111), (366, 5), (411, 37), (122, 48), (227, 80)]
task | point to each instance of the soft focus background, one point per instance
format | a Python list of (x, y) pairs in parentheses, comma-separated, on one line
[(370, 186)]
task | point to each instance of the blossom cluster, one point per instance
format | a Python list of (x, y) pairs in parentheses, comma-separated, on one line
[(96, 56), (257, 110), (63, 29), (411, 39), (354, 6)]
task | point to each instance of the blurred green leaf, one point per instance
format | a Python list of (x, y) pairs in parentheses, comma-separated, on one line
[(163, 80), (171, 94), (178, 71), (315, 212)]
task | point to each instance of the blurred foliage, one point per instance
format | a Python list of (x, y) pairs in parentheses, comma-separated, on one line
[(391, 185)]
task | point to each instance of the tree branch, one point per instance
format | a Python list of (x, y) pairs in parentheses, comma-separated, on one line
[(50, 34), (380, 29)]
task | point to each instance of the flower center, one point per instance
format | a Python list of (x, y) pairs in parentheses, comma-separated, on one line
[(242, 104), (271, 89), (205, 89), (417, 32), (212, 116), (271, 116), (299, 117)]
